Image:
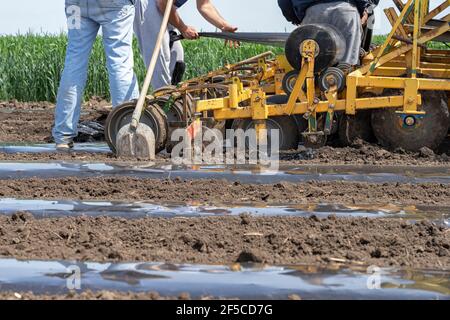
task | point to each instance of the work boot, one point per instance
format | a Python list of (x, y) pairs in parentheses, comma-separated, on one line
[(64, 147)]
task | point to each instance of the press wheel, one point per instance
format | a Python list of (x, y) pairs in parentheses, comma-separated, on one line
[(152, 116)]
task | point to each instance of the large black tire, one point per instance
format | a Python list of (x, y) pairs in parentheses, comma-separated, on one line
[(429, 132), (331, 43), (152, 116)]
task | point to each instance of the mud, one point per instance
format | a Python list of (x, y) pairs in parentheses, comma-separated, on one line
[(226, 240), (56, 156), (366, 154), (98, 295), (219, 192), (32, 122)]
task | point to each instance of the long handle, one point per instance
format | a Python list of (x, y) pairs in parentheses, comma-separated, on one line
[(151, 68)]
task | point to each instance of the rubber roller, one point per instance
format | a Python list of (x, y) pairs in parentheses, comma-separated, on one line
[(330, 41)]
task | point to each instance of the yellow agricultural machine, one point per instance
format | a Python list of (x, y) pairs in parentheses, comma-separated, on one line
[(398, 95)]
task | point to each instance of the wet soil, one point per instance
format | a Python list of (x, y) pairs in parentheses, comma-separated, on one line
[(227, 240), (362, 153), (33, 121), (108, 157), (90, 295), (367, 154), (57, 156), (222, 192)]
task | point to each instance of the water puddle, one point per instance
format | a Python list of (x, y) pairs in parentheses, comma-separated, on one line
[(141, 209), (236, 281), (50, 148), (244, 174)]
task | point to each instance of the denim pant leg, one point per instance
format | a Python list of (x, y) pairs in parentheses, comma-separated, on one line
[(146, 27), (118, 44), (73, 80)]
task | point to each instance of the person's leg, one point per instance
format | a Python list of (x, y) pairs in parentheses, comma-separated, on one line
[(177, 64), (176, 55), (73, 79), (117, 31), (346, 18), (146, 27)]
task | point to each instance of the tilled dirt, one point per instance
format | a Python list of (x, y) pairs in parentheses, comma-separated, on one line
[(32, 122), (102, 157), (227, 240), (60, 156), (363, 153), (99, 295), (222, 192)]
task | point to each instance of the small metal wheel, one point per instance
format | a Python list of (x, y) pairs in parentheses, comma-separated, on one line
[(289, 81), (152, 116), (334, 74), (393, 130), (288, 131)]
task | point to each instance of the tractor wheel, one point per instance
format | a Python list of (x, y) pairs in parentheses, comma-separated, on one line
[(152, 116), (392, 132)]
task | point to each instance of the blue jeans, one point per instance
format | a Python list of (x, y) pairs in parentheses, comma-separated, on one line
[(84, 19)]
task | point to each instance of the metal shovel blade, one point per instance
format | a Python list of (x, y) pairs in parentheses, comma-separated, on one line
[(139, 143)]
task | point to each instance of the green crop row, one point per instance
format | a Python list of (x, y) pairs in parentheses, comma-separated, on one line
[(31, 65)]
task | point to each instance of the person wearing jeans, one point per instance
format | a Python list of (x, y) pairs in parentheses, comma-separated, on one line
[(84, 19)]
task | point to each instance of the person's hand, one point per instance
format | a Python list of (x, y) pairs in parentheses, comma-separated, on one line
[(189, 33), (231, 43), (365, 17)]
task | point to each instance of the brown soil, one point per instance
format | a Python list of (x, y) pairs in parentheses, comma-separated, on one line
[(89, 295), (59, 156), (227, 240), (32, 122), (78, 156), (219, 192), (365, 154)]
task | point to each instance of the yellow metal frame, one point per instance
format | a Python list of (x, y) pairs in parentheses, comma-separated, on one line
[(399, 63)]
